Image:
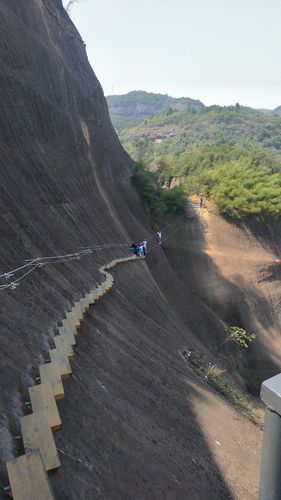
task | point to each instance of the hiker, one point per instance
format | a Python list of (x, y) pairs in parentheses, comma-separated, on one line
[(137, 250), (159, 237), (201, 201), (133, 246), (144, 243), (141, 250)]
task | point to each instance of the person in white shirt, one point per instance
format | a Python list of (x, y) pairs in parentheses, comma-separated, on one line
[(159, 237), (144, 246)]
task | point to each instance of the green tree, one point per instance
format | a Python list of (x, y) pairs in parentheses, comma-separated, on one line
[(240, 336)]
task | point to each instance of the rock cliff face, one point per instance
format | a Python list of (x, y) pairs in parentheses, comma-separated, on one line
[(64, 176), (136, 419)]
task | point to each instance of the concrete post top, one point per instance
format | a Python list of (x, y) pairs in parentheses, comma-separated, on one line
[(271, 393)]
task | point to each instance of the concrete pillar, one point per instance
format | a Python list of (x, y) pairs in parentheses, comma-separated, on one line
[(270, 478)]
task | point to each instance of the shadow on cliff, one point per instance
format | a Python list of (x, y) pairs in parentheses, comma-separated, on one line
[(267, 233), (206, 300), (141, 437)]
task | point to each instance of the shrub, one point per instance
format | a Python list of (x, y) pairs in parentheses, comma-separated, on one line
[(240, 336)]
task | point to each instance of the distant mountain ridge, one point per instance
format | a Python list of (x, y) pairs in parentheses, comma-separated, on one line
[(265, 111), (129, 109), (277, 110), (137, 105)]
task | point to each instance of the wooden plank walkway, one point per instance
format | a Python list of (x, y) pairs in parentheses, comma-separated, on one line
[(37, 435), (73, 317), (28, 478), (64, 339), (90, 297), (69, 325), (63, 331), (62, 362), (27, 473), (42, 399), (63, 346), (78, 310), (50, 373), (85, 304)]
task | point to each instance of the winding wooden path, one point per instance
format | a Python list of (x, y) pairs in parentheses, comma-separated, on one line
[(28, 474)]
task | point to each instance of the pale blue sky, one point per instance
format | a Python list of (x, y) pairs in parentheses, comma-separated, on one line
[(218, 51)]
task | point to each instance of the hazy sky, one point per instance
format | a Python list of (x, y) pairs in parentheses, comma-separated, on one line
[(218, 51)]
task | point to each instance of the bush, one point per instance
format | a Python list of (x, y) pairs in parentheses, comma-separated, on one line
[(240, 337)]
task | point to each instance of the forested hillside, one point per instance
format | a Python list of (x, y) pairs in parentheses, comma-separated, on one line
[(131, 108), (230, 154)]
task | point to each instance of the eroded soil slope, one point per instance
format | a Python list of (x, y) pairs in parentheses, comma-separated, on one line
[(234, 269)]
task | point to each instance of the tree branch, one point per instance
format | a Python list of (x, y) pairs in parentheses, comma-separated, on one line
[(69, 5)]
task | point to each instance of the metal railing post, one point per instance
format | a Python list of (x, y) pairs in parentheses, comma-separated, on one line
[(270, 477)]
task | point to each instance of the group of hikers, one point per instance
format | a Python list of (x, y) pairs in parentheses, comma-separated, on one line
[(140, 249)]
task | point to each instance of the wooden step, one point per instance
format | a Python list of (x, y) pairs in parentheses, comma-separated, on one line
[(85, 304), (66, 337), (112, 264), (101, 290), (69, 324), (63, 331), (109, 284), (62, 361), (90, 297), (63, 345), (78, 310), (50, 373), (73, 317), (28, 478), (42, 399), (96, 294), (37, 435)]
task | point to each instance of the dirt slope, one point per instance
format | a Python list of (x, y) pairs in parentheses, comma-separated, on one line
[(137, 423), (234, 270)]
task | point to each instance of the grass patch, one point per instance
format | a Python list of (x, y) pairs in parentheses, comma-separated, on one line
[(218, 378)]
